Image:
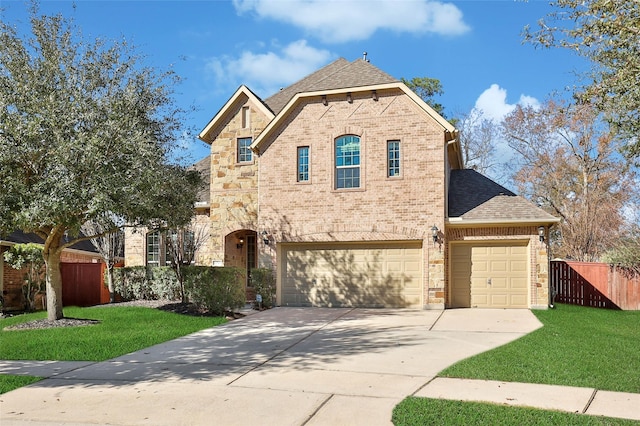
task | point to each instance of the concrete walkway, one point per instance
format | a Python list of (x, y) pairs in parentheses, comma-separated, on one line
[(292, 366)]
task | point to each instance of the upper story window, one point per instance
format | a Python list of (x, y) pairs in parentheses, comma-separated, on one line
[(303, 164), (244, 152), (393, 158), (347, 162)]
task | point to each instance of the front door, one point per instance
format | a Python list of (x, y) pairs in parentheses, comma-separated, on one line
[(251, 257)]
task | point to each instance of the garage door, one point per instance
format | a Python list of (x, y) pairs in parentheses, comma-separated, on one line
[(489, 275), (371, 275)]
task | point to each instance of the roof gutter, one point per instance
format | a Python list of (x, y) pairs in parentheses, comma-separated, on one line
[(456, 222)]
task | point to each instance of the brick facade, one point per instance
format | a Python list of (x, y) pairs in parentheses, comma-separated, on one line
[(538, 255), (11, 280), (383, 208)]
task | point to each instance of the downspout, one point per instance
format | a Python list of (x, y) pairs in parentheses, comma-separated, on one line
[(551, 287)]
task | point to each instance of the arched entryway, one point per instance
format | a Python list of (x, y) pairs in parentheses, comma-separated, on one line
[(241, 251)]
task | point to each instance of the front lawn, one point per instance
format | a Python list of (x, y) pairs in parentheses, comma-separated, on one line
[(425, 411), (121, 330), (578, 346)]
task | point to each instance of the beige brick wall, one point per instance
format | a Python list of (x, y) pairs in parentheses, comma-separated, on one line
[(538, 258), (383, 208)]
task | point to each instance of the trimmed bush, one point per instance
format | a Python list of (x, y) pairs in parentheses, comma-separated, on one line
[(146, 283), (264, 283), (216, 289)]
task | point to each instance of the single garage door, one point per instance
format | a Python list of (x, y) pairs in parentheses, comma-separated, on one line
[(359, 275), (489, 275)]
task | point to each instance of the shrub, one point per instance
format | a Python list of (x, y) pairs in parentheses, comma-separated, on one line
[(215, 289), (264, 283), (145, 283)]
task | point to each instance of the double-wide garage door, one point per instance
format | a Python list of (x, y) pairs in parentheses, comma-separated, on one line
[(489, 275), (360, 275)]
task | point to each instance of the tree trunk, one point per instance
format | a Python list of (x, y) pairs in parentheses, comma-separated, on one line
[(54, 283), (112, 292)]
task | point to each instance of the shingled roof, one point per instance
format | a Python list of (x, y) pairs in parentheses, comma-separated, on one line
[(337, 75), (476, 198), (19, 237)]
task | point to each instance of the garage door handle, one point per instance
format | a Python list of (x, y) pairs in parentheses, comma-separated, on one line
[(488, 281)]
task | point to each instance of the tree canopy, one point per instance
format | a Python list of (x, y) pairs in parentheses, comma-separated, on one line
[(85, 129), (570, 166), (607, 32)]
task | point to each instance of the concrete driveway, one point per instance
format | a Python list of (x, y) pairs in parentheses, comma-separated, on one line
[(285, 366)]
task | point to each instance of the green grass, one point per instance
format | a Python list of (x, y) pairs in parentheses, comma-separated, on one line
[(121, 330), (426, 411), (9, 383), (577, 346)]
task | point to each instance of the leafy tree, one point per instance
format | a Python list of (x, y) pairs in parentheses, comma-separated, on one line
[(570, 167), (85, 128), (182, 245), (29, 256), (427, 88), (607, 32), (109, 241)]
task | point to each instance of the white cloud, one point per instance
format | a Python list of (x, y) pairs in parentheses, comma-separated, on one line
[(265, 73), (340, 21), (493, 103)]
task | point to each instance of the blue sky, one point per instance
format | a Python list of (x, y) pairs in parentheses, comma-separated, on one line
[(473, 47)]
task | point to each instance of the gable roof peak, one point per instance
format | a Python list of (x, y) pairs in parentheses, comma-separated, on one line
[(338, 74)]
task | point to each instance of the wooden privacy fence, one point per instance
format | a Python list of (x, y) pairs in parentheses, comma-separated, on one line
[(83, 284), (598, 285)]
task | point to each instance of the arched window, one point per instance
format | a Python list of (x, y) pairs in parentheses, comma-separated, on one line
[(347, 162)]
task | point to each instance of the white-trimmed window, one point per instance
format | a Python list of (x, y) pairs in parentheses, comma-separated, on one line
[(161, 246), (153, 248), (303, 164), (393, 158), (347, 162), (244, 152)]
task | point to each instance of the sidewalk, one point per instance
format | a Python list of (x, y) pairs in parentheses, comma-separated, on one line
[(548, 397)]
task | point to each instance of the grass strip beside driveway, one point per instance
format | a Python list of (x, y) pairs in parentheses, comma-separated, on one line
[(426, 411), (578, 346)]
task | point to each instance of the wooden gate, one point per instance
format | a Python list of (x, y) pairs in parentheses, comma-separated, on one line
[(83, 284)]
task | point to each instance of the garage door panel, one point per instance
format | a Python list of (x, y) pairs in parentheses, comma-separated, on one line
[(494, 274), (387, 274)]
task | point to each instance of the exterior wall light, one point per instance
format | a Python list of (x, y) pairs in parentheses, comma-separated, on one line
[(265, 237), (541, 233), (240, 244), (349, 98), (324, 102), (434, 233)]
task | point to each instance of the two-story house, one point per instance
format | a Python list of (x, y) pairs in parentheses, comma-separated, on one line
[(352, 189)]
